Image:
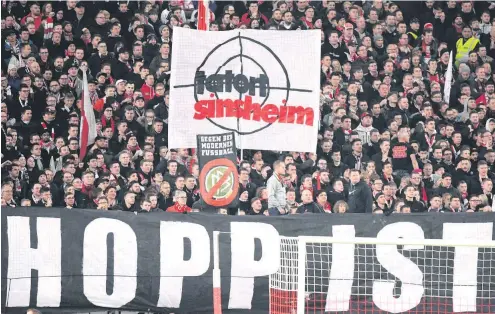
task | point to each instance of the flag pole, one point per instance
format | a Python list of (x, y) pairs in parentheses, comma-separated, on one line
[(203, 15), (240, 145)]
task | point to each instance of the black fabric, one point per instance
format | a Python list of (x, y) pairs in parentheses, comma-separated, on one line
[(197, 291)]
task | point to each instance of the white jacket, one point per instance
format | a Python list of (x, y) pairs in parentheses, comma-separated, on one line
[(364, 133)]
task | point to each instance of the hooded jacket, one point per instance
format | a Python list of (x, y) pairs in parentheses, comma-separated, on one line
[(364, 133), (487, 124)]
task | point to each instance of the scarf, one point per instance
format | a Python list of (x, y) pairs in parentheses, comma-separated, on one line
[(424, 46), (424, 195), (180, 209), (133, 149), (86, 189), (388, 179), (68, 36), (326, 207), (38, 162), (358, 161), (14, 49), (458, 29), (430, 140), (434, 78), (352, 39), (334, 93), (302, 188), (318, 183), (47, 145), (308, 24), (72, 82), (104, 123), (47, 28), (93, 96), (45, 127), (128, 95)]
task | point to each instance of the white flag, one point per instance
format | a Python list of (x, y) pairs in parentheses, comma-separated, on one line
[(87, 128), (448, 80)]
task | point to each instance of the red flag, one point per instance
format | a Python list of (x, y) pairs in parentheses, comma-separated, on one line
[(87, 131), (203, 15)]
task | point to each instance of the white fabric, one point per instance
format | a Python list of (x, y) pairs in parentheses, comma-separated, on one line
[(299, 55), (89, 114), (448, 80)]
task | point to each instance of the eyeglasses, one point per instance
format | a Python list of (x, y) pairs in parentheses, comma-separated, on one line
[(182, 197)]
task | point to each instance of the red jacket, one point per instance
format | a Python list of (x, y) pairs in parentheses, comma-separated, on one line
[(176, 208), (148, 92), (37, 20), (482, 99), (246, 18)]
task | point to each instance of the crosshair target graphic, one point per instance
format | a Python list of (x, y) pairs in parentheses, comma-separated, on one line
[(241, 74)]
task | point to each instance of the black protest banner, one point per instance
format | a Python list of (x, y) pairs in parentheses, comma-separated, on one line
[(81, 260), (218, 180)]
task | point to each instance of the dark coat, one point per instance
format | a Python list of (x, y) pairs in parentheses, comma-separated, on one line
[(360, 198), (311, 208)]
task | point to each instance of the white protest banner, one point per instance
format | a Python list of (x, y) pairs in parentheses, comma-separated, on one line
[(262, 85)]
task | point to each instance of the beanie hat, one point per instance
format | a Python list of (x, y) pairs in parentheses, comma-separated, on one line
[(377, 37), (463, 68)]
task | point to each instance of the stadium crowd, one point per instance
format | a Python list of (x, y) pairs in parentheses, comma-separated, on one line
[(392, 137)]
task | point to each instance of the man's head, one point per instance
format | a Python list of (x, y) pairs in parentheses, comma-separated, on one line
[(190, 182), (306, 196), (467, 32), (279, 167), (180, 197), (436, 202), (145, 204), (357, 146), (130, 198), (243, 175), (256, 205), (487, 185), (355, 176)]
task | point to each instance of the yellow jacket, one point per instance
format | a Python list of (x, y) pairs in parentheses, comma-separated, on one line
[(463, 49)]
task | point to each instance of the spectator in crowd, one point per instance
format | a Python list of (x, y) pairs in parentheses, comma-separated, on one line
[(360, 198), (276, 189), (180, 206), (308, 204), (340, 207)]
